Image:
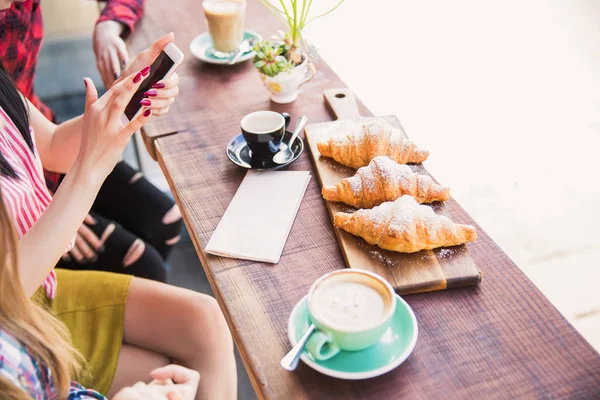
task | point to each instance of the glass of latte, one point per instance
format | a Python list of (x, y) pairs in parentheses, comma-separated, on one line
[(225, 24), (351, 310)]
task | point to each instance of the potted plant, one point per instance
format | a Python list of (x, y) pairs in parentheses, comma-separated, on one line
[(284, 63)]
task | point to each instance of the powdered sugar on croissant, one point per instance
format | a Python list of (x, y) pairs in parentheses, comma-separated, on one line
[(356, 144), (384, 180), (404, 226)]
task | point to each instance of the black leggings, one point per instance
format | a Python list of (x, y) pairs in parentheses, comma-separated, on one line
[(137, 223)]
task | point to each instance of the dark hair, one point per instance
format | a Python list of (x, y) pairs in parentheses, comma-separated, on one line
[(14, 106)]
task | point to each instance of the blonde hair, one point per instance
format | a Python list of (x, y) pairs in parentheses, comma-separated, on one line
[(46, 339)]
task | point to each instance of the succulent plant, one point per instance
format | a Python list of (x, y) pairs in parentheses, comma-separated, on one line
[(270, 58)]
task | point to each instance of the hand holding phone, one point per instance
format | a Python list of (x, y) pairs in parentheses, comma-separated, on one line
[(160, 87)]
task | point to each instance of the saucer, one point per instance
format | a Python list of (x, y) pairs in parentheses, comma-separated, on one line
[(201, 48), (239, 153), (393, 348)]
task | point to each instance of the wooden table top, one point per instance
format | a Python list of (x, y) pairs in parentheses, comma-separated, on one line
[(502, 339)]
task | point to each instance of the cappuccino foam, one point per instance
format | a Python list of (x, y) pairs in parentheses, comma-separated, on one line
[(348, 304)]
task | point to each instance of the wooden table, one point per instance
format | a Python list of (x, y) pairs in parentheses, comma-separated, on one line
[(502, 339)]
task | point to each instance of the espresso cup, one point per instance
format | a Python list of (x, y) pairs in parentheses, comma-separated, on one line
[(263, 131), (351, 310)]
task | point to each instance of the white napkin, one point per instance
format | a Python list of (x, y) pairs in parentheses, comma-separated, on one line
[(258, 220)]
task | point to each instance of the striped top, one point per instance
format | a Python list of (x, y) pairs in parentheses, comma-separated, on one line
[(25, 198)]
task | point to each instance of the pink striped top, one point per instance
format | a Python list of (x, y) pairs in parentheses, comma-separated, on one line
[(25, 198)]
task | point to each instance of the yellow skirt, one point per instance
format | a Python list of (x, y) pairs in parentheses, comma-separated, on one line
[(92, 306)]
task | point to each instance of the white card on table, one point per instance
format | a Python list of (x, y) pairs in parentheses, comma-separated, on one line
[(258, 220)]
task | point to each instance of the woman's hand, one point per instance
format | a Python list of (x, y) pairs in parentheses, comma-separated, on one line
[(182, 382), (87, 244), (104, 137), (110, 50), (163, 93)]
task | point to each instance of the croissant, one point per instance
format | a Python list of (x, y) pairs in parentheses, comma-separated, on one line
[(404, 226), (356, 145), (384, 180)]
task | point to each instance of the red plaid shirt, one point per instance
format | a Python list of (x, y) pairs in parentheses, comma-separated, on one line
[(21, 33)]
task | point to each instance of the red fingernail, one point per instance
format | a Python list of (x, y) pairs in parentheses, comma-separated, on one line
[(145, 71), (137, 77), (159, 85), (85, 82), (146, 102), (147, 113), (151, 93)]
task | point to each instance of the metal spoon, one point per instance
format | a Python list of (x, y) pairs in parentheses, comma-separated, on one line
[(245, 46), (285, 153), (290, 360)]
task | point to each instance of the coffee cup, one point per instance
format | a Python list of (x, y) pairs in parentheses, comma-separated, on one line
[(225, 24), (263, 131), (351, 310)]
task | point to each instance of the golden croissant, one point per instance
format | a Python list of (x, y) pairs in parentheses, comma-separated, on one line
[(404, 226), (384, 180), (356, 145)]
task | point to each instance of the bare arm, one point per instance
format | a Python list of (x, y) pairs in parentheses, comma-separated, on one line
[(43, 245), (58, 145), (99, 150), (90, 146)]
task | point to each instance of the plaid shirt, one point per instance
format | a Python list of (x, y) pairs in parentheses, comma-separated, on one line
[(19, 368), (21, 33)]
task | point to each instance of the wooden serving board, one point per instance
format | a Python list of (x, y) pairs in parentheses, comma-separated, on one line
[(424, 271)]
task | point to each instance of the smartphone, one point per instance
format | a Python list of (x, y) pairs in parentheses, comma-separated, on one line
[(163, 67)]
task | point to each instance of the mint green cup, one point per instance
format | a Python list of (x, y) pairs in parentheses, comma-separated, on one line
[(329, 339)]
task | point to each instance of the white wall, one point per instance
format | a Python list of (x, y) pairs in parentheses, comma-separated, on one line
[(506, 96)]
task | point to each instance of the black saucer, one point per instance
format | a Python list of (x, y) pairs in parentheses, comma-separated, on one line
[(239, 153)]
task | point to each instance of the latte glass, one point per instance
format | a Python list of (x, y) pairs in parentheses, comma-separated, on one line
[(225, 24)]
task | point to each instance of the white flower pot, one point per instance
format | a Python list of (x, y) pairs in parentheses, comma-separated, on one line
[(284, 86)]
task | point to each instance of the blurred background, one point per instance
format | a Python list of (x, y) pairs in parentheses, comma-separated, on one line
[(505, 95)]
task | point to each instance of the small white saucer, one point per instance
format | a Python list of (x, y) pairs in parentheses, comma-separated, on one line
[(201, 48)]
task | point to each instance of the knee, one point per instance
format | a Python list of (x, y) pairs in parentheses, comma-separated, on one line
[(149, 265), (172, 216), (215, 332), (164, 232), (172, 223)]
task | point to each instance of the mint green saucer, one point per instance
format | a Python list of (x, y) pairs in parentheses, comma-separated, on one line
[(393, 348), (201, 48)]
